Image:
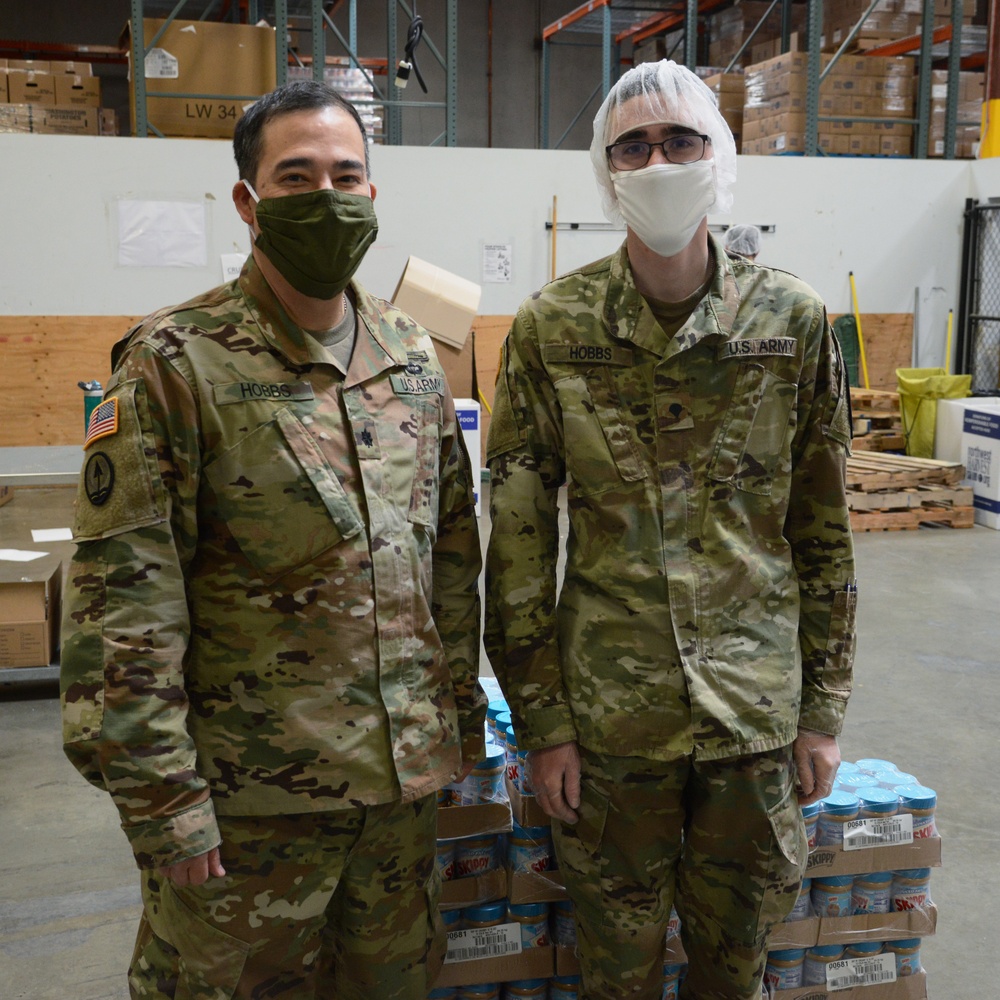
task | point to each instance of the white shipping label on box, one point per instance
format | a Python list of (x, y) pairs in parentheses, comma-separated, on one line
[(872, 832), (483, 942), (161, 65), (864, 971)]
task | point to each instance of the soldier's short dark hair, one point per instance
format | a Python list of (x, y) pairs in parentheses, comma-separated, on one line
[(300, 95)]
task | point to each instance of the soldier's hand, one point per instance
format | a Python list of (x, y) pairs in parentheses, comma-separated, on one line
[(194, 871), (555, 777), (817, 757)]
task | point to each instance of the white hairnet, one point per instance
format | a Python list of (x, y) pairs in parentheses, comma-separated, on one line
[(657, 92), (744, 240)]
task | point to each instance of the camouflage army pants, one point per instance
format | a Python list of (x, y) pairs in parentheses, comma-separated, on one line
[(723, 841), (337, 906)]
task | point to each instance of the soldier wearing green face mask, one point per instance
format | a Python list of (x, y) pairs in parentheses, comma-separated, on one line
[(271, 636), (680, 694)]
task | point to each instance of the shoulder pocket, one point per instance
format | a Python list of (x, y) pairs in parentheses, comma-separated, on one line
[(120, 485), (279, 498)]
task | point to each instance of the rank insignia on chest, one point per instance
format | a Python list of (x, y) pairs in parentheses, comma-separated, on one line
[(103, 422)]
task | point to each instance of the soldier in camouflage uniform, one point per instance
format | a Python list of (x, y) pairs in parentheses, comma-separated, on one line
[(271, 640), (680, 695)]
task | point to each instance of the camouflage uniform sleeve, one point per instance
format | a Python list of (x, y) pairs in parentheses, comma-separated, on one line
[(819, 530), (525, 456), (126, 624), (457, 563)]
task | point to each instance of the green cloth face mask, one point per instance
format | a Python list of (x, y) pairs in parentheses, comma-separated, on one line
[(317, 239)]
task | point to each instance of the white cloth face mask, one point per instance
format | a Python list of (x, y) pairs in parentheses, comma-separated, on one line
[(664, 204)]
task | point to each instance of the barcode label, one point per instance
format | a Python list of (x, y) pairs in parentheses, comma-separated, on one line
[(860, 833), (849, 972), (483, 942)]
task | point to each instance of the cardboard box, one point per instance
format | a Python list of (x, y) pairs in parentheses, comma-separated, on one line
[(456, 822), (77, 91), (981, 458), (43, 119), (848, 930), (442, 302), (29, 65), (907, 988), (532, 963), (234, 61), (31, 88), (950, 416), (60, 67), (830, 860), (473, 890), (29, 616), (535, 887)]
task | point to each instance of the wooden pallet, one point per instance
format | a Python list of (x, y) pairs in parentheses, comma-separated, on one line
[(910, 520), (913, 497), (869, 471), (866, 401), (887, 440)]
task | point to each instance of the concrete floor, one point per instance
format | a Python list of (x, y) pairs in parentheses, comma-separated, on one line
[(927, 697)]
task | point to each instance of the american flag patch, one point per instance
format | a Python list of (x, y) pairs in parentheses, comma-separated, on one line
[(103, 422)]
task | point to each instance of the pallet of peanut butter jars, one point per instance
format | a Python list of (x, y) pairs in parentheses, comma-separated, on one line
[(864, 906)]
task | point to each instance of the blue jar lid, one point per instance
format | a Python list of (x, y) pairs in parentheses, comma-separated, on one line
[(914, 873), (787, 954), (494, 756), (833, 882), (509, 737), (866, 947), (857, 780), (878, 800), (672, 969), (526, 984), (528, 909), (846, 767), (810, 810), (494, 708), (875, 877), (486, 911), (917, 796), (503, 718), (826, 950), (450, 917), (903, 943), (875, 764), (839, 803), (530, 832), (902, 778)]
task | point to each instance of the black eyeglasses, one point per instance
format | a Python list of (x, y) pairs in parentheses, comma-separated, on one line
[(631, 154)]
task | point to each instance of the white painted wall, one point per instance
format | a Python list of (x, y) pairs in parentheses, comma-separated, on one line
[(896, 223)]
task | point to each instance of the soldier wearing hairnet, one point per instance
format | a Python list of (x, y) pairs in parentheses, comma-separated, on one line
[(681, 692), (743, 240), (271, 638)]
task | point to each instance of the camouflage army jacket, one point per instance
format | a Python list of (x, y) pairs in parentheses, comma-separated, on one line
[(273, 607), (705, 607)]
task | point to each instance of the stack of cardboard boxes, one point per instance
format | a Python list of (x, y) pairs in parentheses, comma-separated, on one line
[(890, 21), (728, 30), (729, 90), (51, 97), (970, 106), (870, 91)]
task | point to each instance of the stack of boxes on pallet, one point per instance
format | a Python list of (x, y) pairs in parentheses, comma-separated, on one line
[(889, 21), (729, 29), (969, 109), (863, 907), (509, 923), (52, 97), (865, 904), (869, 90)]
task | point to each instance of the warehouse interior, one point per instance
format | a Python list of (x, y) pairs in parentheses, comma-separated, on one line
[(874, 182)]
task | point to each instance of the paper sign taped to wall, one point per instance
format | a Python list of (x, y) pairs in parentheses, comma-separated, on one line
[(161, 234)]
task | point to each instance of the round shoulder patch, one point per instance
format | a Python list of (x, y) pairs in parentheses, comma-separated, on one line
[(98, 478)]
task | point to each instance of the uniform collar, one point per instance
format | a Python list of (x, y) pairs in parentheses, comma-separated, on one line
[(630, 318), (377, 348)]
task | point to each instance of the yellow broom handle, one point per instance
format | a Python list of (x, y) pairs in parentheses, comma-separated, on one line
[(861, 339)]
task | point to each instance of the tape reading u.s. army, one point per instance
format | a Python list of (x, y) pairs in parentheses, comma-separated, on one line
[(587, 354), (254, 392), (409, 385), (765, 347)]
